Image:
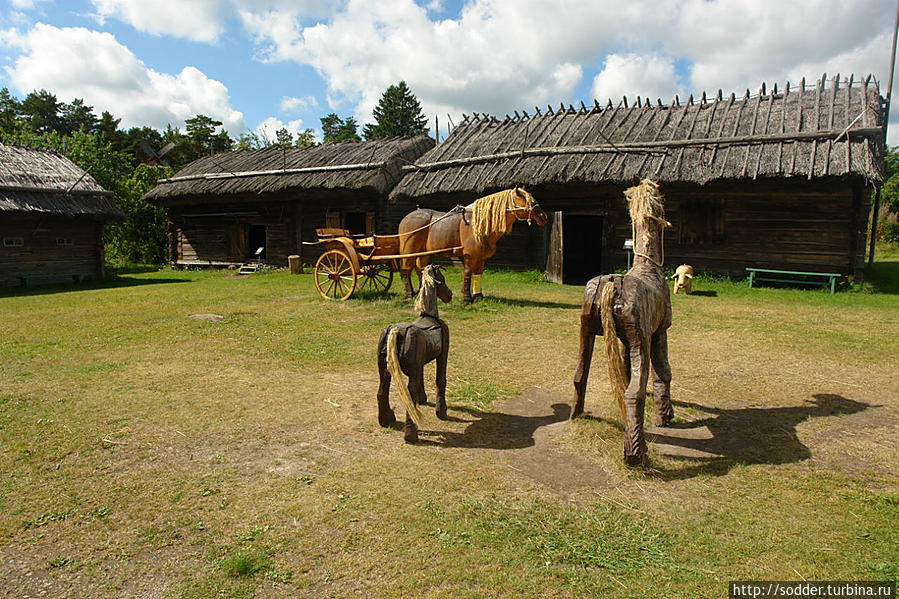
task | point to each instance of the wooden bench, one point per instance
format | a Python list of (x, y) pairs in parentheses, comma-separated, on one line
[(796, 277), (27, 279)]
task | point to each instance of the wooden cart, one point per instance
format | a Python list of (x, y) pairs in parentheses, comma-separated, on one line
[(352, 262)]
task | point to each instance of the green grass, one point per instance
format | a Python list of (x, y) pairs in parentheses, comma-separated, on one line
[(147, 453)]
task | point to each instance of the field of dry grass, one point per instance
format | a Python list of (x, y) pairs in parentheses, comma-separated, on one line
[(145, 453)]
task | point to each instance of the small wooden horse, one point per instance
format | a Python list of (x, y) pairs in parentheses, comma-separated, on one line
[(634, 308), (405, 347)]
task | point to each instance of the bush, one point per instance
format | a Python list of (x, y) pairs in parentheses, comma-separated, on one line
[(888, 231)]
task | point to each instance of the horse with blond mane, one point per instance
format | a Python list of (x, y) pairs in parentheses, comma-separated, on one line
[(634, 308), (470, 232)]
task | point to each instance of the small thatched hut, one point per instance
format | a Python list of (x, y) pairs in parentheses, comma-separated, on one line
[(780, 179), (51, 219), (222, 208)]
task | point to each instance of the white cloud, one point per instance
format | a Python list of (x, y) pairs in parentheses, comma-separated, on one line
[(195, 20), (500, 55), (632, 75), (268, 129), (289, 104), (79, 63)]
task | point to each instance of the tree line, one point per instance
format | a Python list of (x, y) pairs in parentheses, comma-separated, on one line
[(127, 161)]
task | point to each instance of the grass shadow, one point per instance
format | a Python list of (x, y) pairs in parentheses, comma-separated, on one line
[(745, 436), (884, 277), (112, 282), (496, 430), (526, 303), (704, 293)]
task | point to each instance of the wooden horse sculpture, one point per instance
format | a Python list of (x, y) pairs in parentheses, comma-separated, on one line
[(405, 348), (476, 228), (635, 308)]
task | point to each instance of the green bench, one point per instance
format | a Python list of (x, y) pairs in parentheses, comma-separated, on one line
[(796, 277), (27, 279)]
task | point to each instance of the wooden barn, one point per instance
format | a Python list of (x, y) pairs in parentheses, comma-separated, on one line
[(778, 179), (51, 219), (223, 207)]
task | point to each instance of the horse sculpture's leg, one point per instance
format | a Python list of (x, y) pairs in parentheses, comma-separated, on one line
[(634, 402), (386, 416), (662, 413), (585, 357), (440, 402), (416, 390)]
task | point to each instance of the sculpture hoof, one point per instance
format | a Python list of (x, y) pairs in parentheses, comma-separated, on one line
[(441, 413), (410, 439), (386, 420), (636, 461)]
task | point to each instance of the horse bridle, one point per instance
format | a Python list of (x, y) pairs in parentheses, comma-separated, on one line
[(663, 224), (530, 205)]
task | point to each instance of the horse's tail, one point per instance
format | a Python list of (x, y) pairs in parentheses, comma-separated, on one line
[(614, 356), (393, 366)]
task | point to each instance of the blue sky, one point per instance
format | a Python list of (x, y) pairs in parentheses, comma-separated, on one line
[(257, 65)]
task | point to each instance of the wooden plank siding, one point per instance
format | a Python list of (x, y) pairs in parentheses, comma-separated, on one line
[(793, 225), (40, 253)]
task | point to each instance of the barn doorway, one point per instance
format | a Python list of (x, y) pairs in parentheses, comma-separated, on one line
[(355, 223), (255, 240), (575, 248), (581, 247)]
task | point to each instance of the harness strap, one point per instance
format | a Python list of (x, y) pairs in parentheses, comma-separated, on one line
[(663, 224)]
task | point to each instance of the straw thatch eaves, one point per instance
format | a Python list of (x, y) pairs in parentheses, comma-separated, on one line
[(372, 165), (824, 129), (35, 182)]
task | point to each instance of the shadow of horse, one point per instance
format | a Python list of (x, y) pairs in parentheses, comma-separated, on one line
[(496, 430), (731, 437)]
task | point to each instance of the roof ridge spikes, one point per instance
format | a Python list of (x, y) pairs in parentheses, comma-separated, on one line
[(762, 91)]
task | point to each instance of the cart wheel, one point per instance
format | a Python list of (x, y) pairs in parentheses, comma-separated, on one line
[(375, 277), (334, 275)]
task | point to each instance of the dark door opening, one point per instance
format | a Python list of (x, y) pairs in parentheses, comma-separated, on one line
[(256, 240), (354, 222), (581, 248)]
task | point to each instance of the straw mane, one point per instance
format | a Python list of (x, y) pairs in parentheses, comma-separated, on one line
[(488, 214), (426, 300), (644, 200)]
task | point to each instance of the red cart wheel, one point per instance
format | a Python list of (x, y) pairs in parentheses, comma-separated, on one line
[(376, 277), (334, 275)]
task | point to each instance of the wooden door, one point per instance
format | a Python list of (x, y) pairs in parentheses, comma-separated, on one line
[(554, 251)]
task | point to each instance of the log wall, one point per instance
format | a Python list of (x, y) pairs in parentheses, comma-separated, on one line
[(41, 254)]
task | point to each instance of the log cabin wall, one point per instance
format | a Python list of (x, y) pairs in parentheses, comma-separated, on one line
[(49, 245), (205, 233), (721, 227)]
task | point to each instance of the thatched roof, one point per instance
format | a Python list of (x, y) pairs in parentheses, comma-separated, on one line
[(814, 130), (36, 182), (370, 165)]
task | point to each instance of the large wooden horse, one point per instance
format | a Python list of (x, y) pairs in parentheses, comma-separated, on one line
[(476, 228), (635, 308), (405, 348)]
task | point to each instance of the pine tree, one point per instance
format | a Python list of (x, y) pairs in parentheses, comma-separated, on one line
[(398, 114)]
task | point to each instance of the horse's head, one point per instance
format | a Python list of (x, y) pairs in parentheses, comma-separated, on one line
[(433, 286), (525, 207), (647, 211)]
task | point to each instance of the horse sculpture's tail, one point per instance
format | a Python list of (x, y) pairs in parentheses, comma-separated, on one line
[(393, 366), (617, 374)]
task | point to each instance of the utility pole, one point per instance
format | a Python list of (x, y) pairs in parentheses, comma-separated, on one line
[(886, 121)]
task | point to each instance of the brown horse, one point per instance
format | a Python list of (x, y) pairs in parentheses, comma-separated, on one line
[(636, 309), (476, 228)]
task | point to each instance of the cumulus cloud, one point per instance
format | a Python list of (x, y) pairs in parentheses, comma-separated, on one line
[(289, 104), (499, 55), (195, 20), (74, 62), (635, 75), (268, 129)]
